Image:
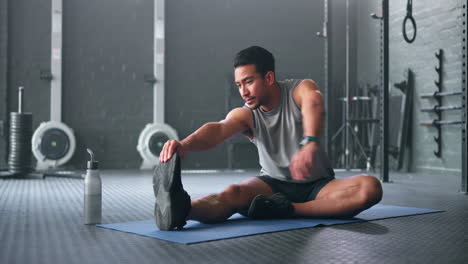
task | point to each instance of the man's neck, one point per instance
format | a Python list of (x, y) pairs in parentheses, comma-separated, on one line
[(273, 98)]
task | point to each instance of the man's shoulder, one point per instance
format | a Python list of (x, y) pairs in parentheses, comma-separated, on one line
[(291, 84), (243, 115), (240, 113), (305, 85), (303, 88)]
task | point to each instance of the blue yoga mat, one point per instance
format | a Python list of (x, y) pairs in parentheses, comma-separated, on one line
[(238, 225)]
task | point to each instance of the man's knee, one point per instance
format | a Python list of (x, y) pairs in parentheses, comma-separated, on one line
[(371, 190), (232, 192)]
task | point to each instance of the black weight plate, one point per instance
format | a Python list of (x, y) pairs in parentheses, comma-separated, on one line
[(20, 140), (16, 114), (20, 135), (54, 144), (19, 159), (20, 146), (20, 119), (19, 154), (16, 135), (156, 142), (21, 131), (20, 123), (20, 128)]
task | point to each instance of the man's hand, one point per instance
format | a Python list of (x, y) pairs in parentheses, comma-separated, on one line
[(303, 161), (171, 147)]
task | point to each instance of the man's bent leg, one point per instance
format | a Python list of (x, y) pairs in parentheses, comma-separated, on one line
[(343, 198), (235, 198)]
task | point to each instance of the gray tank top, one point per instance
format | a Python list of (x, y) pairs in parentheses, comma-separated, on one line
[(277, 135)]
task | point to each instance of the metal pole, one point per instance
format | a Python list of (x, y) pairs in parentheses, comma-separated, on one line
[(326, 66), (20, 99), (384, 110), (464, 180), (158, 62), (56, 62), (326, 73), (347, 90)]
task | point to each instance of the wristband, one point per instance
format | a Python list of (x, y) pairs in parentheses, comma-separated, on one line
[(308, 139)]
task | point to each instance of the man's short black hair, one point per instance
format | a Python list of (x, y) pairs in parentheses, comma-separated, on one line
[(258, 56)]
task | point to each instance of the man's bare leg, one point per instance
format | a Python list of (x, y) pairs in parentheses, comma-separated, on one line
[(343, 198), (235, 198)]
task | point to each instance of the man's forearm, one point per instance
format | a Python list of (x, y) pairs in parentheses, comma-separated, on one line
[(204, 138), (313, 114)]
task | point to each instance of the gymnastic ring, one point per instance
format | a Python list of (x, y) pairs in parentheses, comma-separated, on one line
[(404, 29)]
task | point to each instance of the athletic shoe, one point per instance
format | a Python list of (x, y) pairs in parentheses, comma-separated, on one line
[(172, 201), (276, 206)]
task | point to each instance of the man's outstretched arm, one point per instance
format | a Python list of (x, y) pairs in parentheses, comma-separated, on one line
[(209, 135)]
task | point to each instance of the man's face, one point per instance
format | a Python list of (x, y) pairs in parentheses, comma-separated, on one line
[(251, 85)]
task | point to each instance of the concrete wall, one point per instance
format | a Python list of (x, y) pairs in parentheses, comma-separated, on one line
[(3, 78), (439, 26), (107, 50), (200, 49)]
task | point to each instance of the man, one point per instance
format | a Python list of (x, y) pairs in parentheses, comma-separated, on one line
[(284, 120)]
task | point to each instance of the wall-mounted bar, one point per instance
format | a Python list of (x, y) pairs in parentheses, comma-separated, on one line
[(438, 109), (442, 123), (440, 94)]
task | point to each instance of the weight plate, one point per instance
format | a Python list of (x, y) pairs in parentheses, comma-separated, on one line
[(156, 142), (54, 144), (20, 138)]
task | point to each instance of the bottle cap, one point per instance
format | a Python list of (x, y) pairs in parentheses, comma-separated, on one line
[(92, 164)]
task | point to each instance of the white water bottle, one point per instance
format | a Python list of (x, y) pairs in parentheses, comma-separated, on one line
[(92, 193)]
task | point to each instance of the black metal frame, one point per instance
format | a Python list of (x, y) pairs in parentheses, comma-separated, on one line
[(438, 83), (326, 57), (326, 65), (384, 64), (464, 176)]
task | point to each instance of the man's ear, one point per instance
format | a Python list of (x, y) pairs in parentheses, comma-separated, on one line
[(270, 77)]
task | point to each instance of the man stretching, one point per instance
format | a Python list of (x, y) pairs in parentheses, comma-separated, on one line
[(284, 120)]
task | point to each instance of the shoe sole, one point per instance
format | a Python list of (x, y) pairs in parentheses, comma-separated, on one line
[(162, 187), (261, 200), (252, 207)]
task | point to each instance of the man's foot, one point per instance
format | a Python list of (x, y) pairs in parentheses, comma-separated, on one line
[(172, 201), (276, 206)]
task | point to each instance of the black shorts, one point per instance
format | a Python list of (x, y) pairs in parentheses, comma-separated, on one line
[(296, 192)]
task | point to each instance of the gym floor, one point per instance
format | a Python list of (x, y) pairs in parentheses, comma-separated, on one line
[(41, 222)]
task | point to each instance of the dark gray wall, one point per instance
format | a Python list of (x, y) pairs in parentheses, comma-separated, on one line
[(3, 78), (439, 27), (107, 50), (28, 53), (202, 38), (368, 38)]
